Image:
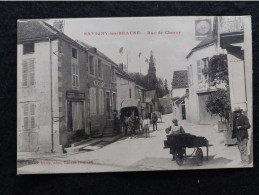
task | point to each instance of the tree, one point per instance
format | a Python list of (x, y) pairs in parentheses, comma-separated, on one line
[(151, 76), (218, 102), (218, 69), (166, 88)]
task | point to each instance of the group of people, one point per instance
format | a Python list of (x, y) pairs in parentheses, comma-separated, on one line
[(240, 129), (134, 122)]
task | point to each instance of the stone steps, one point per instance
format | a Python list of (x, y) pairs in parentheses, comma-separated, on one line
[(78, 148)]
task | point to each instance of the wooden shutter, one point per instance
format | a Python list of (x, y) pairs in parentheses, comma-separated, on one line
[(73, 75), (32, 114), (199, 70), (77, 75), (100, 103), (24, 73), (26, 116), (95, 101), (32, 71), (92, 101)]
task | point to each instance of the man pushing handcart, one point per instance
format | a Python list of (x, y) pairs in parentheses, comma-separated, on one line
[(177, 141)]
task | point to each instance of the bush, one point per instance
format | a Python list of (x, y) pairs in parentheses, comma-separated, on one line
[(218, 103)]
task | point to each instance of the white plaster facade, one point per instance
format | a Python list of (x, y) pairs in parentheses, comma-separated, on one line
[(38, 94), (125, 99), (199, 88), (178, 92)]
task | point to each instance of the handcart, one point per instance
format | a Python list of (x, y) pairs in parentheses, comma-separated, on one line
[(179, 142)]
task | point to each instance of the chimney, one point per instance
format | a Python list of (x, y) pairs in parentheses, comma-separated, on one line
[(121, 66), (59, 25)]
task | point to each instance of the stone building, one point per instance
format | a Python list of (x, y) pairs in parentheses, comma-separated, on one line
[(102, 91), (52, 89), (180, 91)]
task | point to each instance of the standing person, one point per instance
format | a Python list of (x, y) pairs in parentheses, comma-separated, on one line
[(240, 126), (146, 126), (154, 120), (132, 123), (174, 129)]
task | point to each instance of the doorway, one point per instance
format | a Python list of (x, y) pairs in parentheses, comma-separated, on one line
[(108, 104), (75, 115), (183, 112)]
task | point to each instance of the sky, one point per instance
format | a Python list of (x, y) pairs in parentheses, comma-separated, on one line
[(169, 50)]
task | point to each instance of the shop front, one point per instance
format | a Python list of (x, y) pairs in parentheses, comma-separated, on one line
[(76, 115)]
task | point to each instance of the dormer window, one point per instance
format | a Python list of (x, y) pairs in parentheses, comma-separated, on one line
[(28, 48), (74, 53)]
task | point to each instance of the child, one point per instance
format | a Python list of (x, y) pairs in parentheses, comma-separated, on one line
[(146, 126)]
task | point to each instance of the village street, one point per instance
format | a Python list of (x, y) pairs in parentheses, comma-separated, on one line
[(138, 154)]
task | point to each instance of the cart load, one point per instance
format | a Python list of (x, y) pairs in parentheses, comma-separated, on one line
[(179, 142), (185, 140)]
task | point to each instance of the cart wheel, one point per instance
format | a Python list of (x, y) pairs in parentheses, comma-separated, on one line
[(199, 156), (179, 157)]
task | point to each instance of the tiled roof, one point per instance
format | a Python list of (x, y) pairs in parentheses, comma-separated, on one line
[(117, 68), (33, 29), (203, 43), (181, 99), (37, 29), (180, 79), (99, 53)]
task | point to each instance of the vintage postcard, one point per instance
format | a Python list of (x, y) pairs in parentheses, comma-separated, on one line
[(134, 94)]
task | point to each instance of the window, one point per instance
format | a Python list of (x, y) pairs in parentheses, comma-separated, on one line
[(113, 74), (75, 76), (100, 69), (74, 53), (130, 93), (29, 116), (92, 101), (91, 62), (101, 101), (199, 72), (28, 72), (187, 91), (114, 101), (205, 62), (28, 48)]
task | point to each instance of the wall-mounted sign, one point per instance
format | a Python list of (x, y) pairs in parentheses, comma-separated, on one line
[(202, 29), (75, 95), (101, 84)]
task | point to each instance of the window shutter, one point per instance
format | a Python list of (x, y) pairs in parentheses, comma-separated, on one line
[(26, 116), (32, 107), (32, 71), (95, 101), (24, 73), (77, 73), (199, 70)]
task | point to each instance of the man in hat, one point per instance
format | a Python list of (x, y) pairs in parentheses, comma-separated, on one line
[(154, 120), (174, 129), (240, 126)]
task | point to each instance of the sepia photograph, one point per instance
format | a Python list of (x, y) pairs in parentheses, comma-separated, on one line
[(134, 94)]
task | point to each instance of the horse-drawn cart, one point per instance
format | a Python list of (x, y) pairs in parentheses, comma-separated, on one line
[(179, 142)]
